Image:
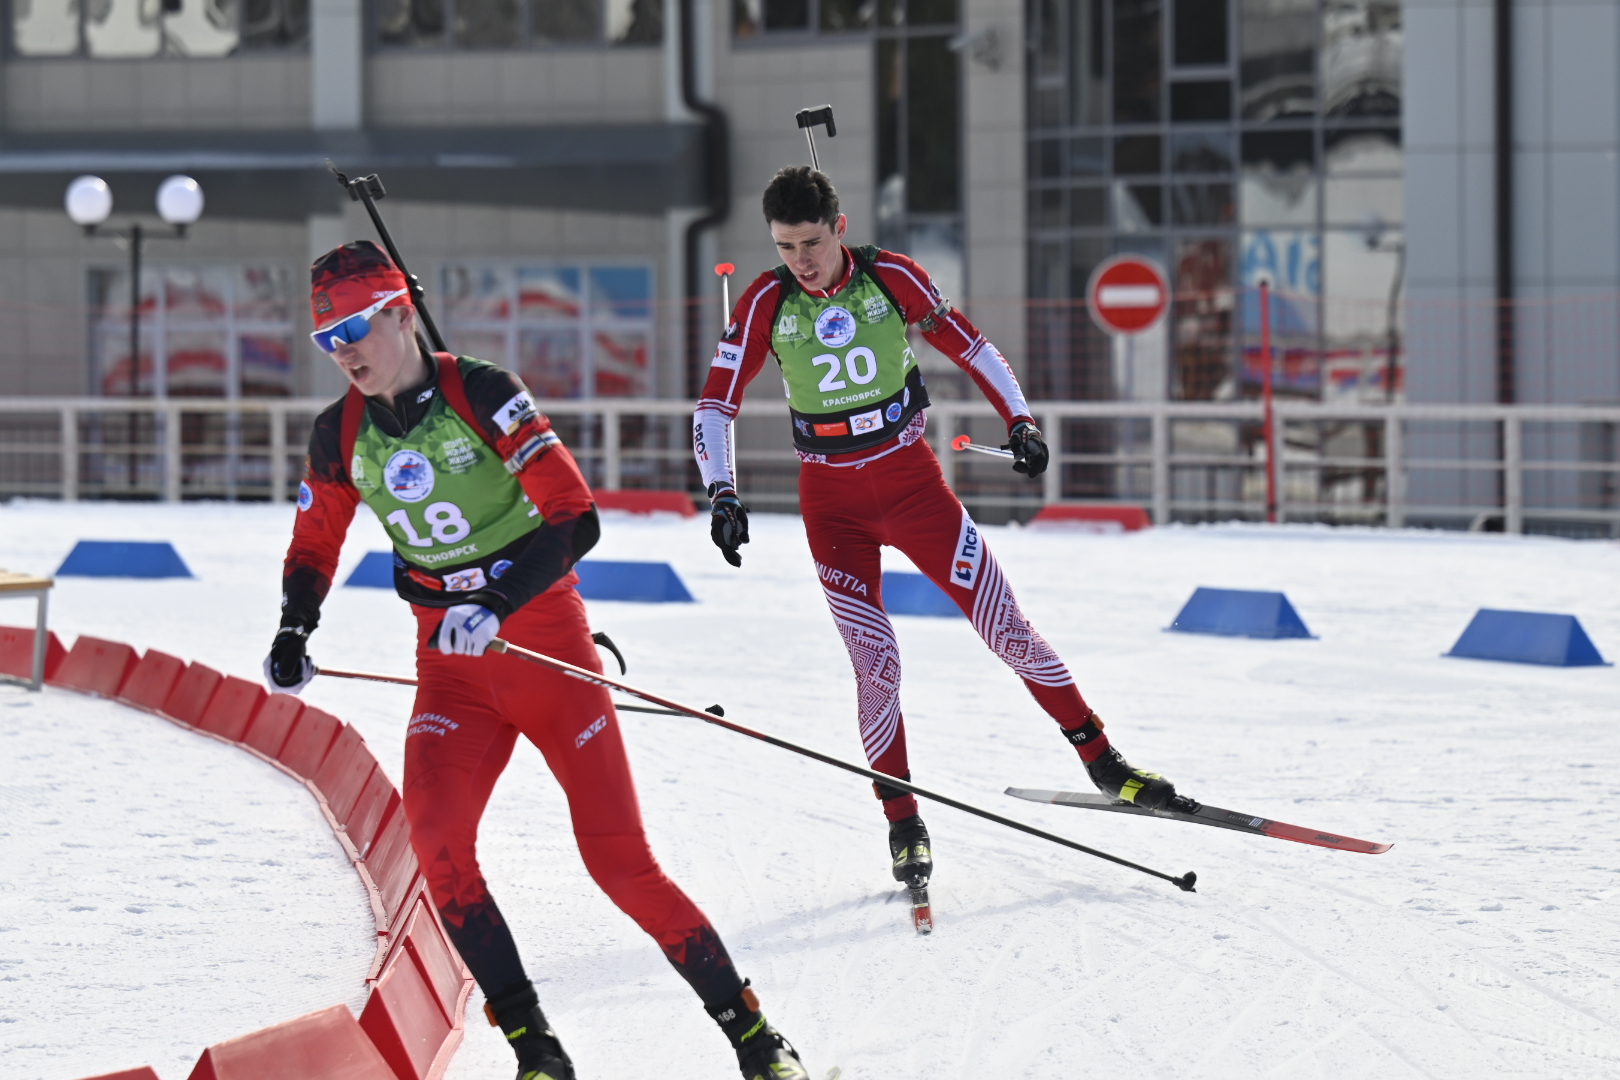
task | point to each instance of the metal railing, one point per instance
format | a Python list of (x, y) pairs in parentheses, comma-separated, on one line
[(1186, 461)]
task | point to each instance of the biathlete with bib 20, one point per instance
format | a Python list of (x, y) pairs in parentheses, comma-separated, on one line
[(488, 514), (836, 318)]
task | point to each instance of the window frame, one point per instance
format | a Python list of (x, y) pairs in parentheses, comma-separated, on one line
[(527, 43), (1321, 127), (157, 326), (81, 48), (586, 324)]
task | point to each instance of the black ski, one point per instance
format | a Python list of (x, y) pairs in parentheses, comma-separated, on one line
[(1189, 810)]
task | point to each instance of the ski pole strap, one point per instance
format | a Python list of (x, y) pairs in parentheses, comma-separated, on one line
[(1185, 882)]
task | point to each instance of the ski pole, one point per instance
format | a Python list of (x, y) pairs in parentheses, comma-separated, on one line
[(713, 716), (725, 270), (808, 119), (369, 676), (403, 680), (964, 442), (368, 189)]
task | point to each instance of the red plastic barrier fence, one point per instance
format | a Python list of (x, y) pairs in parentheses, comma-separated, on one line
[(392, 862), (344, 771), (405, 1018), (95, 666), (17, 652), (426, 941), (151, 681), (191, 692), (308, 741), (375, 803), (325, 1045), (1129, 518), (231, 709), (144, 1073), (644, 501), (273, 722)]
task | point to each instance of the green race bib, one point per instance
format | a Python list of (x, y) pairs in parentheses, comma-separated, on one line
[(852, 380), (444, 496)]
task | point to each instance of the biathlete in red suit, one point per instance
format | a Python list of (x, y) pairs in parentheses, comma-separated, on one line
[(488, 514), (835, 319)]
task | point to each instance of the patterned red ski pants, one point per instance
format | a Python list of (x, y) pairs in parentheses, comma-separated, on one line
[(469, 712), (902, 501)]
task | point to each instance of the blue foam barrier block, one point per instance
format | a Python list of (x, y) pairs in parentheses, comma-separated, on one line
[(375, 571), (914, 594), (123, 558), (1240, 613), (1526, 637), (638, 582)]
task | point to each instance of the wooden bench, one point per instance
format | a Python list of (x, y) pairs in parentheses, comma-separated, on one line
[(26, 585)]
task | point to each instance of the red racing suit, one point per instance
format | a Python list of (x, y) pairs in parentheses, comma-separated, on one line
[(469, 711), (893, 494)]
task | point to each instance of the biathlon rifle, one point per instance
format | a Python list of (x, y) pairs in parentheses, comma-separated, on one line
[(808, 120), (367, 190)]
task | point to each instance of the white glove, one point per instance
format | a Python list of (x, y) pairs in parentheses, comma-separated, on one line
[(467, 630)]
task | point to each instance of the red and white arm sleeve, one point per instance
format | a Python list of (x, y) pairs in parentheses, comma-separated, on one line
[(950, 332), (738, 358)]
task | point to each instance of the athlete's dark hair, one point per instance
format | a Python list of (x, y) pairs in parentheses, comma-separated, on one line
[(799, 194)]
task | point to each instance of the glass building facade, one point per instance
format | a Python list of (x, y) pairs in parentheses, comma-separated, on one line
[(918, 110), (1231, 141)]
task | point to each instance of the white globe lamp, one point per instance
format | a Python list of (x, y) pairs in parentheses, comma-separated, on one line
[(180, 200), (88, 201)]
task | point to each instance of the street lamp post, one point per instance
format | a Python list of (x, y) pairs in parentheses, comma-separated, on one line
[(89, 203)]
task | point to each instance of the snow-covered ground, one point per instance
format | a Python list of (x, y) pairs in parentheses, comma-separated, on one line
[(161, 892), (1485, 944)]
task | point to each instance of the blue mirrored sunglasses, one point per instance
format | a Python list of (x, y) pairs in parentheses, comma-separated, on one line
[(354, 328)]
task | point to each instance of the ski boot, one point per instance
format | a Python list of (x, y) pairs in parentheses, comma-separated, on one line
[(1117, 778), (516, 1011), (762, 1052), (908, 845)]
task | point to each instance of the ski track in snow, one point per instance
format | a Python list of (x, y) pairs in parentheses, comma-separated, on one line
[(1485, 944)]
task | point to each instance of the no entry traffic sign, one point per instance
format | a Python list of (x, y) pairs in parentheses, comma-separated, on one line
[(1127, 294)]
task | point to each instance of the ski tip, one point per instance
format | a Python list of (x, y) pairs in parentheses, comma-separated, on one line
[(1186, 881), (833, 1073)]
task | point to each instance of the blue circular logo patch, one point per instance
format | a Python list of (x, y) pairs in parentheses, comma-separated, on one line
[(409, 476), (894, 411), (501, 566), (835, 327), (306, 495)]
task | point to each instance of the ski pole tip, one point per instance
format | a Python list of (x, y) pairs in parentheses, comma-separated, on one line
[(1186, 881), (961, 442)]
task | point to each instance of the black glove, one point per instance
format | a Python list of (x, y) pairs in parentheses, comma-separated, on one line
[(728, 521), (287, 669), (1028, 447)]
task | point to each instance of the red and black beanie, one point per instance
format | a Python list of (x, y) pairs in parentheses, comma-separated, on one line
[(349, 279)]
